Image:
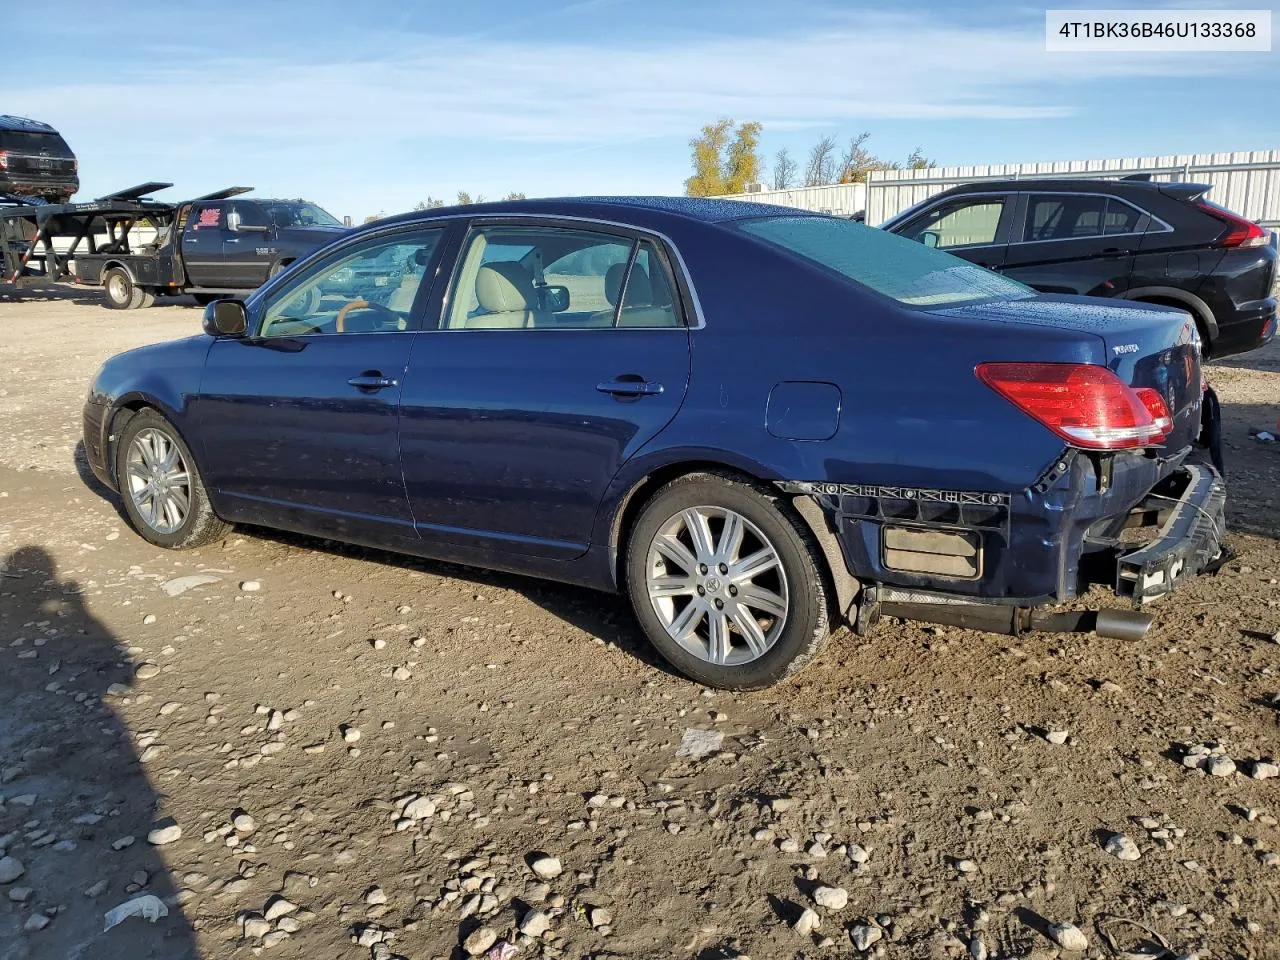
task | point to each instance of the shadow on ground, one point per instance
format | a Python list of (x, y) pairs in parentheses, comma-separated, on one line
[(73, 785)]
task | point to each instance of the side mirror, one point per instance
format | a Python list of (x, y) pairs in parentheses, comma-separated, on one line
[(556, 298), (930, 238), (225, 318)]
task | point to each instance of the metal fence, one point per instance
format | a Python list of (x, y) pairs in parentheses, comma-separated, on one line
[(842, 199), (1247, 182)]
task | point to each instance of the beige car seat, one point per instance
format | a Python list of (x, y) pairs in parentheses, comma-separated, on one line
[(505, 291)]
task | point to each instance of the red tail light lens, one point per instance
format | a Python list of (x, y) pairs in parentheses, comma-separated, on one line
[(1240, 232), (4, 160), (1086, 405)]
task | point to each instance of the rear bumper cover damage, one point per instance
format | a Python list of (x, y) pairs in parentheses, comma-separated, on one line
[(1041, 546)]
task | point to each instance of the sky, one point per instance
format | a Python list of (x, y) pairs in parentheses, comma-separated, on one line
[(369, 107)]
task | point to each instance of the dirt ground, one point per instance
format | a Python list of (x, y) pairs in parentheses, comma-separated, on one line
[(923, 772)]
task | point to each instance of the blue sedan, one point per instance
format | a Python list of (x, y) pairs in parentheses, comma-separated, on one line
[(759, 423)]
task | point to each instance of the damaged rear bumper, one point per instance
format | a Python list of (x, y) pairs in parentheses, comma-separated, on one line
[(1189, 541)]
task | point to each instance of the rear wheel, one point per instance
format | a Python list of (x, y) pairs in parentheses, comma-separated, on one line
[(727, 583), (118, 290), (143, 298), (164, 496)]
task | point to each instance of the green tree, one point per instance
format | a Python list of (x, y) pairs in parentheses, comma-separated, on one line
[(464, 198), (515, 196), (916, 160), (431, 203)]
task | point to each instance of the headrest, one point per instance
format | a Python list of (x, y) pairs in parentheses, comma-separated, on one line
[(639, 290), (504, 287)]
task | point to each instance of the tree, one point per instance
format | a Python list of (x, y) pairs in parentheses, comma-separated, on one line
[(742, 165), (464, 198), (722, 165), (784, 170), (708, 164), (431, 203), (821, 168), (858, 160), (916, 160), (372, 217), (515, 196)]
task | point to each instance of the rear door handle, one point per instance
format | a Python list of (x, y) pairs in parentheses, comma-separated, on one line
[(630, 387), (372, 380)]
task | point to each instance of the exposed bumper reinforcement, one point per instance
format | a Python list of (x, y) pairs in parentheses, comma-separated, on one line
[(1188, 544)]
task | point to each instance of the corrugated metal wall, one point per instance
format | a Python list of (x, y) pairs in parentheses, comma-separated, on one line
[(843, 198), (1247, 182)]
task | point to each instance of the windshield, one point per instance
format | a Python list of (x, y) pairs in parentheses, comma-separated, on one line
[(892, 266), (22, 141), (301, 214)]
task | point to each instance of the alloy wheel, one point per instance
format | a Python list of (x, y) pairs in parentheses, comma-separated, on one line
[(159, 482), (717, 584)]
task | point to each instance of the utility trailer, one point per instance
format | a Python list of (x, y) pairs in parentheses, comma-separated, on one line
[(209, 247)]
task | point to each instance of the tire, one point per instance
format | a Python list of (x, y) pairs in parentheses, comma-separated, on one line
[(143, 298), (147, 439), (118, 290), (785, 637)]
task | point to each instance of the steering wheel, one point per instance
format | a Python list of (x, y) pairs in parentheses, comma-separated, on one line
[(341, 323)]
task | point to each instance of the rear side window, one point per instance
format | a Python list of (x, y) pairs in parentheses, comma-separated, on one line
[(1072, 216), (555, 278), (891, 265)]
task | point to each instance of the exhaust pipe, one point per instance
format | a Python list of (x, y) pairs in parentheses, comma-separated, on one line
[(1113, 624)]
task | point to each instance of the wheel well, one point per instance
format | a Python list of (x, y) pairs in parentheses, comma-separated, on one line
[(1205, 343), (116, 265), (123, 414), (840, 583)]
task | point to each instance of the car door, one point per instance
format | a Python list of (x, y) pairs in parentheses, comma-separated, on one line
[(560, 352), (202, 245), (246, 247), (297, 423), (1075, 242), (973, 226)]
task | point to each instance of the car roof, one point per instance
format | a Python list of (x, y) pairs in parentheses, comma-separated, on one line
[(1064, 185), (25, 125), (704, 209)]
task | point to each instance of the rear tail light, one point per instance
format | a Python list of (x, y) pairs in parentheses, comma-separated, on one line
[(1240, 232), (1086, 405), (4, 160)]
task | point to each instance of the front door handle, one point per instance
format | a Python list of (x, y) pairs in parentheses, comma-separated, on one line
[(1115, 252), (372, 380), (630, 386)]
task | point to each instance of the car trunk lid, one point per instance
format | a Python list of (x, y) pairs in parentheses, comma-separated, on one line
[(1144, 345)]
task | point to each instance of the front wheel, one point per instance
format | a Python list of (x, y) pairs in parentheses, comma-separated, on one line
[(727, 582), (164, 496)]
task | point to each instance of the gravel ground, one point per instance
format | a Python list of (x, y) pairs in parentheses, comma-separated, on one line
[(321, 751)]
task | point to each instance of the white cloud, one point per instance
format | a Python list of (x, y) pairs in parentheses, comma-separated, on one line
[(432, 89)]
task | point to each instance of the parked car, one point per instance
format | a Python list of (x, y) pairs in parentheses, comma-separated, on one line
[(756, 422), (215, 246), (35, 161), (1137, 240)]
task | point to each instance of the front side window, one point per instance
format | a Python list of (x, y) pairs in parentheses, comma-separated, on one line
[(368, 289), (891, 265), (554, 278), (247, 215), (206, 218), (958, 223), (299, 213)]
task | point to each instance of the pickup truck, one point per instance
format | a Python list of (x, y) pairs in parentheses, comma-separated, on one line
[(220, 245)]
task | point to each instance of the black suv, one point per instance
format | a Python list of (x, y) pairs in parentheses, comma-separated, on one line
[(35, 161), (1134, 239)]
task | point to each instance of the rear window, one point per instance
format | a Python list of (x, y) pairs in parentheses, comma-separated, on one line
[(892, 266), (22, 141)]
